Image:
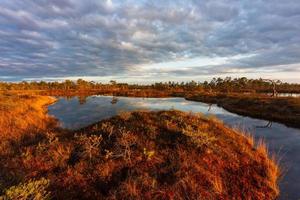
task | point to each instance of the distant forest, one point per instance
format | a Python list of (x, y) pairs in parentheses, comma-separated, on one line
[(227, 84)]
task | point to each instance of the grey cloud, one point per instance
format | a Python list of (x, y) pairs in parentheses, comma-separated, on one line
[(111, 38)]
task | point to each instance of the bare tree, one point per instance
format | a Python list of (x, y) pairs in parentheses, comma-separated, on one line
[(274, 83), (114, 100), (268, 125), (209, 107)]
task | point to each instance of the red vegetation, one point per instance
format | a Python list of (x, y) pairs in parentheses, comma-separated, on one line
[(142, 155)]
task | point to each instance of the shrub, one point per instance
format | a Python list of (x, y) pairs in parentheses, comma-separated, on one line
[(90, 144), (33, 189), (198, 137)]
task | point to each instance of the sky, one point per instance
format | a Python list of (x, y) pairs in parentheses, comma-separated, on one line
[(148, 41)]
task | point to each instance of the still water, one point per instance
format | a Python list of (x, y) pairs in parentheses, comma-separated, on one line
[(74, 113), (285, 94)]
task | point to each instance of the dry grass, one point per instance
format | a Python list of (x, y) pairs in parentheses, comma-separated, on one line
[(138, 155), (20, 113), (22, 121)]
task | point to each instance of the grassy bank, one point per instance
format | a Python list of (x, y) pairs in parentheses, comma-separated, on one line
[(285, 110), (23, 113), (138, 155)]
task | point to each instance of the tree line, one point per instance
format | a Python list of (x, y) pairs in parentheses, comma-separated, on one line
[(227, 84)]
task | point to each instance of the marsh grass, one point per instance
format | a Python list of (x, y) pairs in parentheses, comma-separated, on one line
[(285, 110), (137, 155)]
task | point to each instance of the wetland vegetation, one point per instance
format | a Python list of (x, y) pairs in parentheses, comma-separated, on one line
[(140, 155)]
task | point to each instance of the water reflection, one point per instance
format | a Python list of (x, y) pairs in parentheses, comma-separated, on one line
[(268, 125), (285, 94), (114, 100), (82, 99), (78, 112)]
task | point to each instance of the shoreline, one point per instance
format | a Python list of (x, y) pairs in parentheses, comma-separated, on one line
[(285, 110)]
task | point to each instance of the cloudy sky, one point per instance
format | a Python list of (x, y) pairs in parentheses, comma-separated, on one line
[(146, 41)]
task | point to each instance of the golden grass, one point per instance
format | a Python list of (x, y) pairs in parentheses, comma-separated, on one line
[(22, 117), (22, 112)]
